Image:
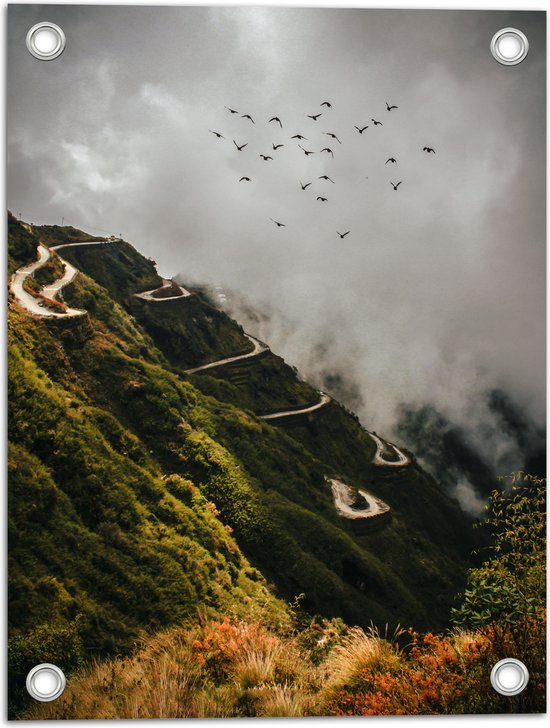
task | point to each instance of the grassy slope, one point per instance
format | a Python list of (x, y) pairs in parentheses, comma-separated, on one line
[(57, 235), (188, 331), (262, 385), (104, 423)]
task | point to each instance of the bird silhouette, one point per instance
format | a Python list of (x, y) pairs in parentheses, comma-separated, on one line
[(389, 108), (393, 160), (343, 235), (275, 118), (395, 186), (327, 149), (279, 224), (428, 150), (328, 179), (247, 116), (305, 151), (377, 123), (244, 179), (322, 199), (361, 130), (327, 104), (314, 116), (240, 148), (299, 136), (265, 157), (231, 110), (304, 186), (216, 133), (330, 134), (276, 146)]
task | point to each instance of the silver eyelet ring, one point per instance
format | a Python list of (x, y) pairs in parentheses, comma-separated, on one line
[(509, 677), (520, 40), (50, 32), (45, 682)]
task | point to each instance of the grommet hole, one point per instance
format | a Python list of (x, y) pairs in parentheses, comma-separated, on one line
[(45, 682), (509, 677), (45, 41), (509, 46)]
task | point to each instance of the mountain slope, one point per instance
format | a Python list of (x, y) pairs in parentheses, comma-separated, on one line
[(154, 498)]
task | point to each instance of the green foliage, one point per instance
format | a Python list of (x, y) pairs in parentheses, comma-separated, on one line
[(263, 384), (58, 235), (51, 642), (117, 267), (50, 272), (508, 589), (21, 245)]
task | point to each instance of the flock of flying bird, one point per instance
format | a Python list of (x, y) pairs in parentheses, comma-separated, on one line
[(308, 152)]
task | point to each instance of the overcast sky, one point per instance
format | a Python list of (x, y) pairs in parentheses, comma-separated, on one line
[(438, 290)]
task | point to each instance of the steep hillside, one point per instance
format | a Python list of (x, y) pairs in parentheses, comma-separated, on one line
[(186, 329), (136, 498)]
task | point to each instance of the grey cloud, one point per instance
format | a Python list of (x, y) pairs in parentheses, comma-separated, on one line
[(438, 291)]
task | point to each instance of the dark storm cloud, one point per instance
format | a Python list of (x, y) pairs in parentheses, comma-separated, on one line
[(438, 291)]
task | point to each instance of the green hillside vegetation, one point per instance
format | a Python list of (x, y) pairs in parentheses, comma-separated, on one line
[(188, 331), (262, 385), (243, 668), (60, 235), (137, 499), (22, 245), (118, 268), (49, 273)]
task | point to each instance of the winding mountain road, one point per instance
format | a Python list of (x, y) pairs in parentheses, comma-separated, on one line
[(148, 295), (381, 448), (323, 401), (35, 305), (345, 499), (259, 348)]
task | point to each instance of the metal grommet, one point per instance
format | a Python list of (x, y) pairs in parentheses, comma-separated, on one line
[(509, 677), (45, 682), (509, 46), (46, 41)]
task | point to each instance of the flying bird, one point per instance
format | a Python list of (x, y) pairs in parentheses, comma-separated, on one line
[(393, 160), (330, 134), (327, 149), (216, 133), (327, 104), (299, 136), (232, 111), (428, 150), (314, 116), (244, 179), (265, 157), (305, 151), (276, 146), (395, 186), (361, 130), (304, 186), (377, 123), (240, 148), (247, 116), (322, 199), (275, 118), (389, 108), (328, 179), (279, 224), (343, 235)]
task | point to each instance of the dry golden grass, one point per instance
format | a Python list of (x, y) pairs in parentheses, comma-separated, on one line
[(357, 651), (262, 674), (238, 669)]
